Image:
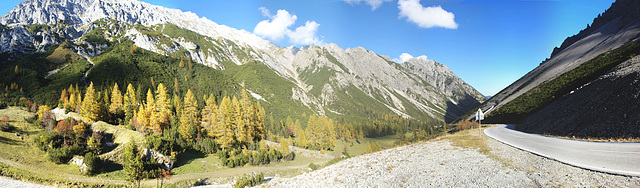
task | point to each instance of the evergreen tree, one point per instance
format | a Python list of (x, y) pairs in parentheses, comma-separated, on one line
[(133, 163), (90, 107)]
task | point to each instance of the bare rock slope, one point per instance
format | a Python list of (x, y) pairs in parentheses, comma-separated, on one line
[(604, 108)]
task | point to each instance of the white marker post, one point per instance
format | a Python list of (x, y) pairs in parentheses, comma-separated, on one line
[(479, 118)]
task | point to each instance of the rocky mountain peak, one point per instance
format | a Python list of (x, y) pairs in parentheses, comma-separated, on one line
[(83, 12)]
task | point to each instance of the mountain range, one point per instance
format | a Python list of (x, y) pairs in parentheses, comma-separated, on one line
[(324, 80)]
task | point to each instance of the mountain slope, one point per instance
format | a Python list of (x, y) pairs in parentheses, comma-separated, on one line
[(619, 25), (323, 80)]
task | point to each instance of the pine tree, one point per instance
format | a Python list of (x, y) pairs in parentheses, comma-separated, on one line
[(130, 103), (189, 116), (116, 100), (133, 163), (90, 107)]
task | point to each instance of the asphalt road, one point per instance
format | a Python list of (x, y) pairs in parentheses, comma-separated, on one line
[(614, 158)]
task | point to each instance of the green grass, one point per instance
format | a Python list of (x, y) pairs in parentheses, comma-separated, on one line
[(31, 164), (354, 148), (194, 162)]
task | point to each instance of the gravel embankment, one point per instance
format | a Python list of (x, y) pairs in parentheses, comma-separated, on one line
[(9, 183), (439, 164)]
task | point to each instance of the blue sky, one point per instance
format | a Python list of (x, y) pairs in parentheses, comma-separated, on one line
[(488, 43)]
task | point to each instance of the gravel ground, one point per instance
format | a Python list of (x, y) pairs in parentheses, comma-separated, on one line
[(9, 183), (439, 164)]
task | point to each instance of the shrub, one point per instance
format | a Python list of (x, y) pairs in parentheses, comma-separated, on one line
[(313, 166), (93, 163), (249, 180), (290, 156), (59, 155)]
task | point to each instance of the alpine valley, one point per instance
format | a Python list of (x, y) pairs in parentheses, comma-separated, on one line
[(62, 42)]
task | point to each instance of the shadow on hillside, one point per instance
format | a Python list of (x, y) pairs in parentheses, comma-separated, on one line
[(8, 141), (110, 166), (187, 157), (456, 110)]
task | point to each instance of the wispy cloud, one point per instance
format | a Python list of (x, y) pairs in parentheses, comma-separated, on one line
[(373, 3)]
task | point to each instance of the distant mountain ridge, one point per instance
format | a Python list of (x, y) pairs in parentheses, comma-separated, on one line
[(328, 80)]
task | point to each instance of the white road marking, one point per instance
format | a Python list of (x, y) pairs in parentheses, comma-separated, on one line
[(610, 151)]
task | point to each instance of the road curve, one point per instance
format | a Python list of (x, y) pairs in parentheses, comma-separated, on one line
[(614, 158)]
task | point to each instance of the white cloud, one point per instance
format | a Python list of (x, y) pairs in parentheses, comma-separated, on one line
[(373, 3), (405, 57), (426, 17), (276, 28), (305, 34)]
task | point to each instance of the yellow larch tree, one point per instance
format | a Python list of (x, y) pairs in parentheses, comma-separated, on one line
[(240, 129), (225, 133), (130, 103), (90, 107), (163, 106), (189, 116), (116, 100), (210, 116), (64, 98)]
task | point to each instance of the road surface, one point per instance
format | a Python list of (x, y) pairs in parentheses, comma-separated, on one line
[(615, 158)]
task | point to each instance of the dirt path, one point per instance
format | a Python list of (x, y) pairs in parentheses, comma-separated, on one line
[(225, 173)]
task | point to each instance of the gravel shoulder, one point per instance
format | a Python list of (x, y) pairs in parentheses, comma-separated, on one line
[(10, 183), (441, 163)]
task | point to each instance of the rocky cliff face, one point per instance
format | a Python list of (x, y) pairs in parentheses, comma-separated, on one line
[(324, 78), (616, 27)]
